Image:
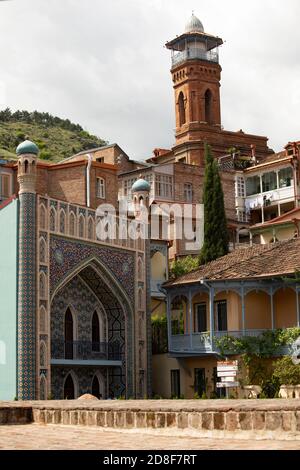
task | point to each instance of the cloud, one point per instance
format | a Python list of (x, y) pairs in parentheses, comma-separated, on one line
[(103, 64)]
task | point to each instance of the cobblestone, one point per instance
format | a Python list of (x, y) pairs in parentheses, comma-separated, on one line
[(59, 437)]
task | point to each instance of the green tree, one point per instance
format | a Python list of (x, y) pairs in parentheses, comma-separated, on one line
[(215, 223), (183, 266)]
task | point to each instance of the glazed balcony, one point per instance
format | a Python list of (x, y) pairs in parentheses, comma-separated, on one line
[(195, 53), (85, 353)]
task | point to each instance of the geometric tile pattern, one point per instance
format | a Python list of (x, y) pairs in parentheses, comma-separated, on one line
[(27, 298)]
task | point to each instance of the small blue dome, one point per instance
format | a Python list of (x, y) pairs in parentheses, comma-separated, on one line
[(140, 185), (27, 147)]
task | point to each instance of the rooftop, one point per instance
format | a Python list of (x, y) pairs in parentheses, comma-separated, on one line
[(259, 261)]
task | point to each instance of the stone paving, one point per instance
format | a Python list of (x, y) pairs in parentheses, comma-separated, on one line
[(59, 437)]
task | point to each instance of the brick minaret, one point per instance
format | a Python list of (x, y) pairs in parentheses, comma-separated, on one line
[(196, 75), (26, 350)]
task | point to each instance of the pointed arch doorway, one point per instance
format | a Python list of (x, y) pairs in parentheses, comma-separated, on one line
[(69, 388)]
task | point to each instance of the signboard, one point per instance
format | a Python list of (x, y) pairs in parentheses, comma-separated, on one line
[(227, 384), (227, 371)]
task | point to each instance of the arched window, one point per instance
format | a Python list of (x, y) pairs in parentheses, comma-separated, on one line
[(98, 386), (62, 221), (43, 217), (140, 299), (52, 219), (43, 355), (140, 268), (69, 334), (43, 320), (43, 250), (98, 330), (69, 388), (81, 226), (26, 166), (208, 106), (90, 229), (43, 388), (72, 224), (42, 285), (181, 107)]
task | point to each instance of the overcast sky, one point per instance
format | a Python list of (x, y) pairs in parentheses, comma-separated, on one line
[(102, 64)]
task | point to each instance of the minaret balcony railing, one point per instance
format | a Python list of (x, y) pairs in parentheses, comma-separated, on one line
[(195, 53)]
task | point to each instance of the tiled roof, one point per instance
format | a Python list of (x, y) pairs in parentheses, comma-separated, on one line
[(258, 261)]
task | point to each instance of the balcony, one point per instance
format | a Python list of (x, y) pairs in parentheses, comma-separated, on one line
[(201, 344), (85, 353), (195, 53)]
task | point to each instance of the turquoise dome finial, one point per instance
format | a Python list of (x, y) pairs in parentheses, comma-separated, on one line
[(27, 147), (140, 185)]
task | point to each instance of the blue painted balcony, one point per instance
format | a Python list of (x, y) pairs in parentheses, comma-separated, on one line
[(85, 353), (198, 344)]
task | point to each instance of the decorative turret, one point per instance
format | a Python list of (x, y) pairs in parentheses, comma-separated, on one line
[(27, 154), (140, 195)]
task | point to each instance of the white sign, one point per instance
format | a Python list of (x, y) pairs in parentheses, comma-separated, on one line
[(227, 384), (227, 368), (229, 373), (228, 379)]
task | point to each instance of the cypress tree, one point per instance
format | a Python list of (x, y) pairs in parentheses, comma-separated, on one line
[(215, 223)]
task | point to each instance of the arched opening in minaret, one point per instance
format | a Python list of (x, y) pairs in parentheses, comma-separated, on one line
[(182, 117), (26, 166), (208, 107)]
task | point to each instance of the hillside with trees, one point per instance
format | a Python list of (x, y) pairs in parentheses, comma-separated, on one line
[(57, 138)]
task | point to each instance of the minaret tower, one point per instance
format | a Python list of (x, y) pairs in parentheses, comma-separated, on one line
[(27, 160), (196, 75)]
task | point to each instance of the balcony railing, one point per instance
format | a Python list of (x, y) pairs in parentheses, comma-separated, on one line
[(201, 342), (85, 350), (195, 53)]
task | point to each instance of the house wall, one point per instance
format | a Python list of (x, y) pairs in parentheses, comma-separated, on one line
[(285, 308), (8, 299)]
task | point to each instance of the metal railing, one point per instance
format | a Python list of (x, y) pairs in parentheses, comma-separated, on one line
[(195, 53), (85, 350)]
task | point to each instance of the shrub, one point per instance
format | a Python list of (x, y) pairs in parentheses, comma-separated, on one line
[(286, 372)]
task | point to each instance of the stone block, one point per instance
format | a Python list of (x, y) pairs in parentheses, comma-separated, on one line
[(92, 418), (218, 421), (119, 419), (207, 421), (231, 420), (287, 420), (273, 420), (74, 417), (100, 419), (150, 419), (82, 418), (195, 420), (298, 421), (110, 419), (259, 420), (171, 420), (56, 417), (245, 421), (129, 419), (141, 421), (4, 416), (160, 420), (183, 420), (65, 417)]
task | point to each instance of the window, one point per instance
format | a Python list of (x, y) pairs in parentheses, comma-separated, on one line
[(5, 182), (181, 107), (81, 225), (253, 185), (199, 381), (285, 177), (221, 314), (72, 224), (52, 219), (188, 192), (200, 318), (101, 188), (163, 186), (240, 186), (42, 285), (43, 251), (62, 221), (269, 181), (175, 383), (69, 334), (242, 216), (90, 229), (100, 159), (208, 106), (42, 217)]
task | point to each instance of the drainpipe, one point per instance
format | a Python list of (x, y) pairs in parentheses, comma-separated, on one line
[(88, 180)]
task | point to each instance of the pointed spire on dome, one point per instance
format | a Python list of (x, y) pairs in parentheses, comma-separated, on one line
[(194, 25)]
